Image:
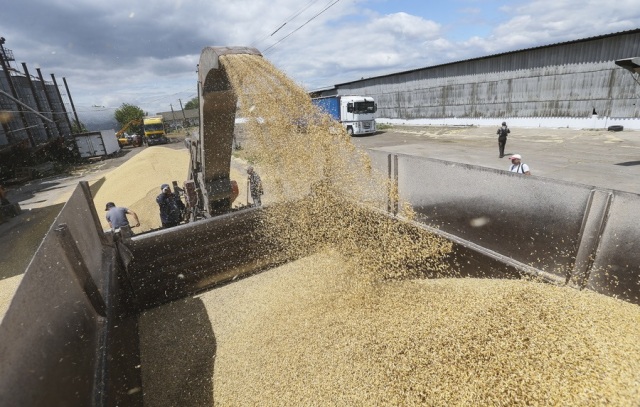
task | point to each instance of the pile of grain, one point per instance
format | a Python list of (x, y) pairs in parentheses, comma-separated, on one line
[(136, 184), (356, 323), (308, 333)]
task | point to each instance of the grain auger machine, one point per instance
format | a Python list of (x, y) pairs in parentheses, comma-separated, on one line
[(209, 191)]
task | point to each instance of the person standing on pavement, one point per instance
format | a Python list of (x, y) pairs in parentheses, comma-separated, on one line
[(502, 138), (117, 216), (518, 166), (171, 207), (255, 186)]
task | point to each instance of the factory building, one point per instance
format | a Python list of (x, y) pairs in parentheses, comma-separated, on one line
[(577, 84)]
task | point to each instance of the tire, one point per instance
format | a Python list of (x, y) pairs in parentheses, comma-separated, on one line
[(350, 131), (615, 128)]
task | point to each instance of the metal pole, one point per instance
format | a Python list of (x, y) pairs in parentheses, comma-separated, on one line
[(182, 108), (25, 106), (15, 97), (37, 99), (64, 109), (75, 113), (48, 97)]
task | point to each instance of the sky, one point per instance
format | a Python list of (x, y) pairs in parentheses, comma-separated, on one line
[(145, 52)]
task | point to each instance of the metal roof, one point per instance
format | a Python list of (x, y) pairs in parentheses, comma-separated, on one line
[(572, 57)]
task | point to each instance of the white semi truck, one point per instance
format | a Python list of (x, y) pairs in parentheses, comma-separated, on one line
[(356, 113)]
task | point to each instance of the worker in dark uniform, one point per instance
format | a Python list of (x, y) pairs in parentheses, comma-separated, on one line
[(171, 207), (502, 132), (255, 186)]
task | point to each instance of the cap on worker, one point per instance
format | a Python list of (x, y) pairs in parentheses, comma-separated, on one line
[(163, 186), (504, 123), (250, 169), (516, 156), (109, 205)]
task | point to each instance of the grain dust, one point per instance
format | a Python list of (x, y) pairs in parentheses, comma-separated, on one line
[(321, 181)]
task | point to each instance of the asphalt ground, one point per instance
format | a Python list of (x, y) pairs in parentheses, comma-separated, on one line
[(598, 158)]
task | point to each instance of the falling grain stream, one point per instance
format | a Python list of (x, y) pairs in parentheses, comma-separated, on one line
[(369, 314)]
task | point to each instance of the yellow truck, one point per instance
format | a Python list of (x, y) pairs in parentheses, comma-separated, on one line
[(154, 130)]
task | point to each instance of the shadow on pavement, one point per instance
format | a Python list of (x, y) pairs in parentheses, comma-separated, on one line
[(629, 163), (21, 236)]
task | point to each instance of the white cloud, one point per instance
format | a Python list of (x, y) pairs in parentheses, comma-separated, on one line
[(146, 53)]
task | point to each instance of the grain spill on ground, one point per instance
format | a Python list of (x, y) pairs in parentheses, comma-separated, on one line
[(354, 321)]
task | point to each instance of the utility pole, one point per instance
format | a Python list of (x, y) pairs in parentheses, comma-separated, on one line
[(181, 108)]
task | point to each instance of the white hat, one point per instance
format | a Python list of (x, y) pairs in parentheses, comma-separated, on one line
[(513, 157)]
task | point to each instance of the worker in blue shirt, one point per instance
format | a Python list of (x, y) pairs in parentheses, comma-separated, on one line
[(117, 218)]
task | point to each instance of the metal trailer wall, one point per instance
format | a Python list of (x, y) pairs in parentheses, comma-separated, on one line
[(569, 79), (66, 322), (564, 232)]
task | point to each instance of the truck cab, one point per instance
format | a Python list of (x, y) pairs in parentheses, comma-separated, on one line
[(154, 130), (356, 113)]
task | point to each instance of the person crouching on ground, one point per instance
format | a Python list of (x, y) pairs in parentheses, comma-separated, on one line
[(255, 186), (171, 207), (518, 166), (117, 217)]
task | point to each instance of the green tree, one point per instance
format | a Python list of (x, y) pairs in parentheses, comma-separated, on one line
[(192, 104), (127, 113)]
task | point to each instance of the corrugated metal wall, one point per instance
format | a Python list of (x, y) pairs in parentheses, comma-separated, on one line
[(563, 80), (18, 127)]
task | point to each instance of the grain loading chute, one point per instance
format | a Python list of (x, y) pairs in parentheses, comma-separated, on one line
[(209, 190)]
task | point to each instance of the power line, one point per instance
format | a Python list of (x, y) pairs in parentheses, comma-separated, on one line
[(308, 21), (287, 20)]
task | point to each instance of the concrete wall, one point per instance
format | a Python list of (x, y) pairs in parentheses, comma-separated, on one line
[(564, 232)]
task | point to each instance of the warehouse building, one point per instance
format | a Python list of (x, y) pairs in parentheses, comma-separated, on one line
[(577, 84)]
